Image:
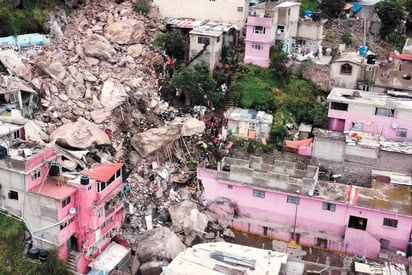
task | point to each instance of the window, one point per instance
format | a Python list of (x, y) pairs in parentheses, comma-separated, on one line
[(89, 188), (100, 212), (35, 174), (258, 193), (203, 40), (66, 223), (300, 42), (100, 186), (401, 132), (229, 186), (259, 29), (292, 199), (218, 39), (16, 135), (106, 222), (66, 201), (257, 46), (384, 243), (339, 106), (329, 206), (13, 195), (390, 222), (384, 112), (357, 222), (239, 9), (322, 242), (280, 29), (346, 69)]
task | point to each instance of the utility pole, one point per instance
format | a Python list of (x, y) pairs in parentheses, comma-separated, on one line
[(292, 243)]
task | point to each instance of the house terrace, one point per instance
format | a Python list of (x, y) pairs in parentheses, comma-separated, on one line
[(284, 176)]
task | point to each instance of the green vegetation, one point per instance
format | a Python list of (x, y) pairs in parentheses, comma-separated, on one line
[(391, 13), (308, 5), (142, 7), (347, 38), (12, 259), (26, 17), (196, 84), (332, 8), (173, 42)]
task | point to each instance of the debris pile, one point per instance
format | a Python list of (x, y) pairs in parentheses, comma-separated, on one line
[(98, 101)]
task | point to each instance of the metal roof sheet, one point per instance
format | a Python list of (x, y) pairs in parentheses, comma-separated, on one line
[(103, 171)]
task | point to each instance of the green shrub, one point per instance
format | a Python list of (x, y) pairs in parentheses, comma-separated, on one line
[(142, 7), (239, 142)]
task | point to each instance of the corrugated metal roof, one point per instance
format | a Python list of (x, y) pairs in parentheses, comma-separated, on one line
[(103, 171)]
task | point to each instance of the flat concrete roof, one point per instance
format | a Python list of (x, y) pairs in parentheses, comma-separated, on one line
[(204, 259), (369, 98)]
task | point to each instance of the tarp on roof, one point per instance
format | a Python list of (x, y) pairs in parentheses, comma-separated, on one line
[(356, 7), (103, 171), (299, 143), (401, 56)]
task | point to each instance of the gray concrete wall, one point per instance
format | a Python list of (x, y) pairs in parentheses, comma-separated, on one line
[(391, 161), (328, 149)]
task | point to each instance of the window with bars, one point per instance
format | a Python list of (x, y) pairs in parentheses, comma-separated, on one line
[(259, 193), (292, 199), (66, 201), (257, 46), (390, 222), (329, 206)]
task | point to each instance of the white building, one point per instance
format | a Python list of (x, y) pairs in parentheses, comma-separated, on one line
[(229, 11)]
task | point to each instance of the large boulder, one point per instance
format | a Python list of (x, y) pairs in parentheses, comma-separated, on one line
[(80, 134), (125, 32), (192, 126), (99, 49), (112, 95), (158, 242), (153, 139)]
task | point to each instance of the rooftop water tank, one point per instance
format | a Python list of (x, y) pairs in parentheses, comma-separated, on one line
[(54, 170), (34, 253), (84, 180)]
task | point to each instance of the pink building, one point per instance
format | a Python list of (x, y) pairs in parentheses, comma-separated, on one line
[(275, 22), (77, 214), (284, 202), (380, 114)]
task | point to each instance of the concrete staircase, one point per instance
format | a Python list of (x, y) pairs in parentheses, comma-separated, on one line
[(229, 99), (72, 262)]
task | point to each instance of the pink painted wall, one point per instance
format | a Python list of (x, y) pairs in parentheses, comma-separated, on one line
[(371, 123), (32, 163), (255, 56), (274, 209)]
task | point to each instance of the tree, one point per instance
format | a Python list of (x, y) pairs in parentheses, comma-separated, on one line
[(196, 83), (173, 42), (332, 8), (390, 12), (278, 60)]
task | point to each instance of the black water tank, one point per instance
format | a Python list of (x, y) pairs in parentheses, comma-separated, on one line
[(34, 253), (54, 169), (43, 254), (371, 59), (84, 180)]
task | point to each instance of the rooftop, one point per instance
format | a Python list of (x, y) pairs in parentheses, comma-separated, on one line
[(369, 98), (393, 197), (395, 75), (226, 258), (248, 114), (51, 188)]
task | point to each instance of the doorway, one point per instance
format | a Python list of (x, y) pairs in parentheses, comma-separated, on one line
[(72, 243)]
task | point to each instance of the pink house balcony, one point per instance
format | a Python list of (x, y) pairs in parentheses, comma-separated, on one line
[(259, 21)]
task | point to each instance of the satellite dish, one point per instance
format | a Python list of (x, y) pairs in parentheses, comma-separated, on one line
[(394, 125), (311, 192), (72, 211)]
